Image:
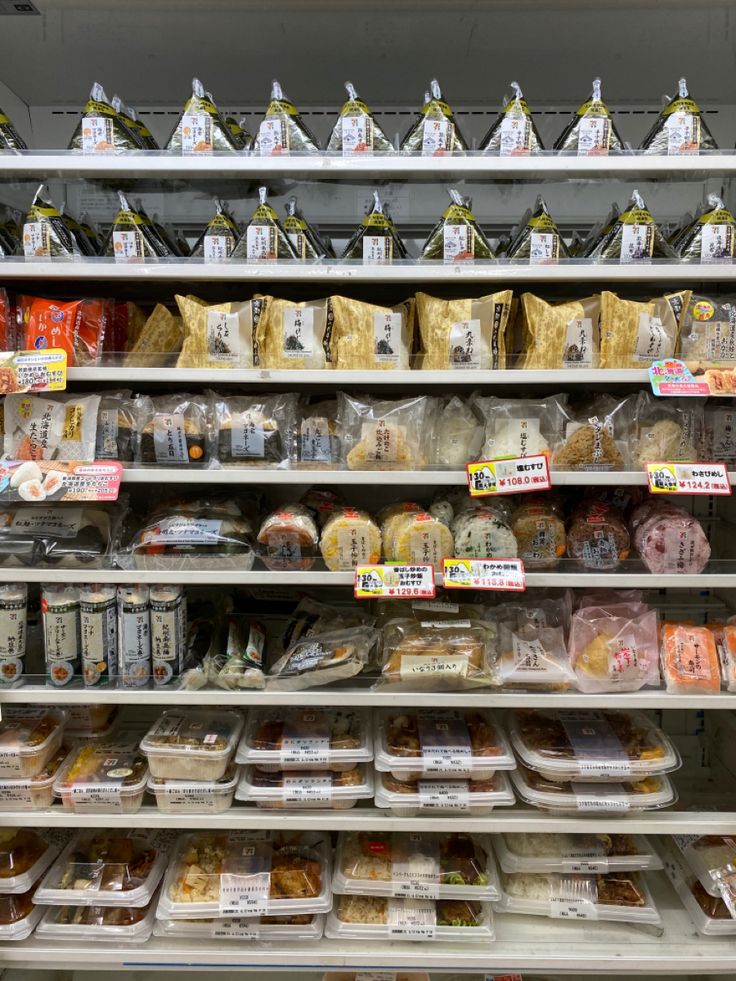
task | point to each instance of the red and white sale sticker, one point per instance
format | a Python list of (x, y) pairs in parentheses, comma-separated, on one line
[(513, 475), (688, 478), (500, 574), (410, 581)]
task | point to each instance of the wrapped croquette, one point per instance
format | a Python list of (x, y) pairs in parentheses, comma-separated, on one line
[(560, 335), (513, 134), (102, 129), (283, 130), (45, 235), (305, 241), (375, 240), (133, 237), (201, 128), (456, 237), (412, 536), (463, 333), (356, 131), (217, 242), (10, 138), (635, 333), (435, 132), (370, 337), (264, 238), (379, 434), (295, 335), (539, 530), (538, 238), (712, 235), (632, 237), (679, 128), (161, 337), (439, 655), (219, 335), (256, 430), (591, 131), (349, 538)]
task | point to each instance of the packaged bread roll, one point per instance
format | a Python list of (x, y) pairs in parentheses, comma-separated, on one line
[(370, 337), (560, 335), (634, 334), (462, 653), (463, 334), (219, 335), (295, 335), (350, 538)]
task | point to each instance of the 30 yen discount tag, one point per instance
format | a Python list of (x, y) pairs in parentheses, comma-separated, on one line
[(506, 575), (415, 581), (508, 476), (688, 478)]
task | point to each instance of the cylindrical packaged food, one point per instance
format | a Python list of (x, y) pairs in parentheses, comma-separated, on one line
[(288, 538), (61, 634), (668, 539), (99, 635), (134, 632), (540, 534), (350, 538), (597, 537), (13, 616), (168, 633)]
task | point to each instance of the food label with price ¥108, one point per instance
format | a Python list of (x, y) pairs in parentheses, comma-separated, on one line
[(513, 475)]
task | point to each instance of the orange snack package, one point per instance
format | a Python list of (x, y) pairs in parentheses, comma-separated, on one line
[(77, 326), (689, 660)]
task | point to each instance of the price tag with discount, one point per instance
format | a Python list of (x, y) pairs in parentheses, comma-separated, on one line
[(245, 895), (673, 377), (513, 475), (688, 478), (414, 581), (505, 575)]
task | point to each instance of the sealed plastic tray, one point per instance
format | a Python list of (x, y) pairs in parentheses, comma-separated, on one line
[(706, 856), (100, 868), (299, 789), (381, 918), (305, 926), (305, 739), (95, 924), (590, 745), (563, 852), (195, 797), (441, 743), (418, 865), (33, 793), (246, 873), (192, 744), (648, 794), (408, 798), (91, 721), (24, 856), (710, 915), (103, 778), (621, 897), (29, 737), (65, 536), (18, 915)]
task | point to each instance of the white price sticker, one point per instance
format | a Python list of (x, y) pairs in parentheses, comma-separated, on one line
[(377, 248), (273, 137), (716, 243), (412, 667), (637, 243), (683, 133), (190, 799), (196, 133), (688, 478), (260, 243), (387, 337), (444, 795), (411, 919), (311, 789), (516, 136), (411, 581), (457, 243), (97, 134), (304, 751), (544, 248), (505, 575), (217, 248), (235, 929), (562, 908), (594, 136), (245, 895)]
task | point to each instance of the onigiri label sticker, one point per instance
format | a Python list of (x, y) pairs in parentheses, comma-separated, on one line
[(33, 371), (594, 136), (516, 136), (457, 243), (260, 243), (716, 243), (97, 134), (387, 337), (512, 475), (394, 580), (377, 248), (357, 135), (217, 248), (506, 575), (436, 137), (196, 133), (688, 478), (54, 481), (637, 243)]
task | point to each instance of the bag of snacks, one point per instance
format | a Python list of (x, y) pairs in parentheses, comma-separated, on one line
[(462, 333), (438, 655), (48, 427), (412, 536), (356, 131), (690, 663), (520, 427), (283, 130), (514, 133), (318, 440), (201, 128), (667, 430), (255, 431), (634, 334), (539, 529), (708, 330), (591, 132), (162, 336), (219, 335), (174, 430), (375, 240), (597, 536), (615, 647), (680, 127), (370, 337), (596, 435), (378, 434), (321, 658), (288, 538), (435, 132), (295, 335), (457, 435), (76, 326), (45, 235), (457, 237), (560, 335), (349, 538)]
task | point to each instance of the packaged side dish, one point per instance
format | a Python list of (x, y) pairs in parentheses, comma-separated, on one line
[(19, 915), (195, 796), (409, 798), (423, 920), (574, 853), (299, 789), (29, 738), (305, 739), (300, 926), (24, 856), (574, 798), (710, 915), (103, 778), (33, 793), (192, 744), (115, 924), (712, 858)]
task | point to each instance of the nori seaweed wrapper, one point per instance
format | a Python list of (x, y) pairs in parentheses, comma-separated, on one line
[(93, 236), (538, 239), (80, 237), (45, 234), (264, 238), (599, 231), (10, 138), (591, 132), (356, 131), (139, 129), (304, 239), (242, 139), (633, 237), (679, 128), (283, 130), (145, 242), (435, 131), (210, 133), (710, 237), (219, 238), (514, 133), (456, 237), (101, 129), (375, 239)]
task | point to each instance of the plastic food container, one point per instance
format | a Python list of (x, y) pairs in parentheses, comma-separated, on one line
[(91, 721), (706, 856), (307, 926), (117, 924), (305, 739), (233, 873), (590, 745), (621, 897), (18, 915), (415, 865), (648, 794), (441, 743), (408, 798), (399, 976), (103, 778), (34, 793), (710, 916), (24, 856), (192, 744), (381, 918), (29, 737), (299, 789), (194, 797), (98, 868), (519, 852)]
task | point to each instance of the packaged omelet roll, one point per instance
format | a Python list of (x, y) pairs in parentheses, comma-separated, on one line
[(283, 130), (356, 132), (680, 127), (139, 129), (101, 129), (456, 237), (513, 134), (560, 335), (591, 132), (162, 336), (350, 538), (45, 234), (370, 337), (264, 238), (708, 330), (633, 237), (463, 333), (435, 131), (219, 335), (133, 237), (636, 333), (217, 242), (10, 138), (305, 241), (201, 128), (712, 235), (295, 335), (538, 238), (376, 240)]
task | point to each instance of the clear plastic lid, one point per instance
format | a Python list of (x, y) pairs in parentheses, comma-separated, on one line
[(196, 733), (591, 745), (99, 868), (305, 788), (91, 721), (622, 897), (415, 865), (246, 873), (183, 796), (103, 777), (24, 856), (381, 918), (305, 739), (32, 793), (303, 926), (443, 795), (647, 794), (710, 915), (711, 858), (574, 853), (18, 915), (441, 742), (120, 924), (28, 738)]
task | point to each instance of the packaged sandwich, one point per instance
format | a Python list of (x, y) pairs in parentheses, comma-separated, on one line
[(324, 657), (356, 131), (463, 333), (457, 236), (514, 133)]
